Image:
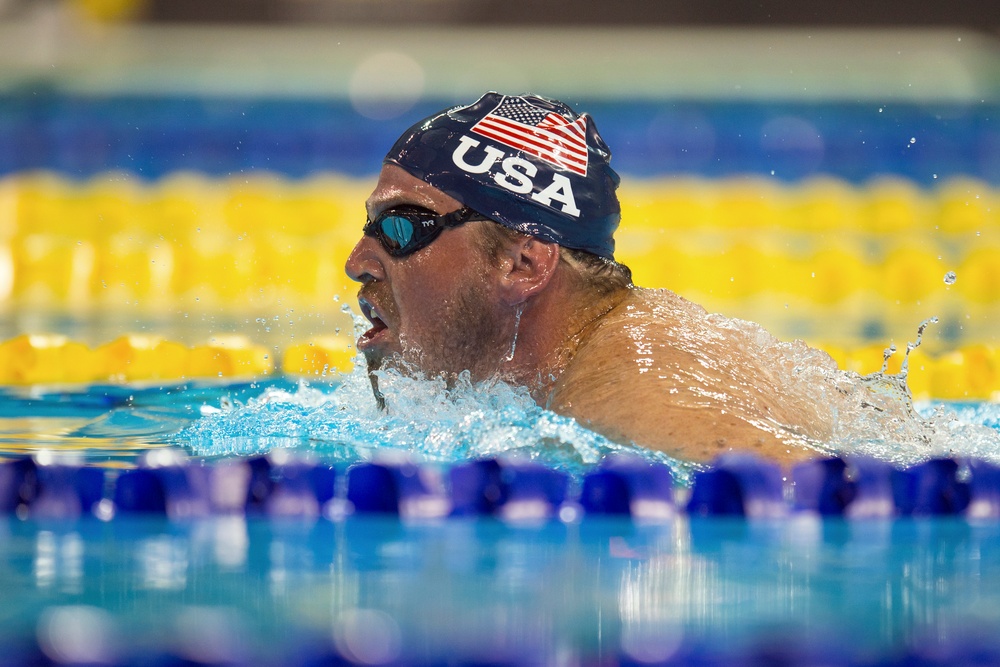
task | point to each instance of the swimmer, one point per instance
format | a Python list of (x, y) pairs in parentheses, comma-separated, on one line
[(489, 248)]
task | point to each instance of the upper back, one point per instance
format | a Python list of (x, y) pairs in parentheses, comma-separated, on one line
[(659, 371)]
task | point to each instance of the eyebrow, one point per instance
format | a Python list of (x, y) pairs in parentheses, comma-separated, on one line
[(401, 205), (395, 202)]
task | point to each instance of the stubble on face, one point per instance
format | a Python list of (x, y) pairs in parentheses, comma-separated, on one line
[(470, 334)]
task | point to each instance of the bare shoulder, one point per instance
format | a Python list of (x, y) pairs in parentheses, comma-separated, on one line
[(654, 372)]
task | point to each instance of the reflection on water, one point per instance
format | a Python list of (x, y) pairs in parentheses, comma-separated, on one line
[(58, 562), (595, 588)]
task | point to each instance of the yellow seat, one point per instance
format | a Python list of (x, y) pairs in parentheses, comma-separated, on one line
[(52, 270), (134, 267), (836, 272), (966, 206), (910, 273), (892, 206), (823, 205), (978, 275), (748, 203)]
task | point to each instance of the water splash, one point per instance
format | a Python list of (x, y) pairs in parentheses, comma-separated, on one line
[(886, 355), (911, 346), (424, 420), (883, 421), (427, 420), (517, 329)]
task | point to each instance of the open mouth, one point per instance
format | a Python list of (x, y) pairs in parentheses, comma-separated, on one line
[(371, 336)]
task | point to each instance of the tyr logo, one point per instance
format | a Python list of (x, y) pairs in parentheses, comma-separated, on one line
[(516, 175)]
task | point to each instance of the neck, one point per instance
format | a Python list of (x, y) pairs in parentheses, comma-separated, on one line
[(553, 325)]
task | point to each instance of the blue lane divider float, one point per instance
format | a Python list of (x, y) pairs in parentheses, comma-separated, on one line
[(931, 488), (492, 488), (738, 485), (629, 487), (283, 488), (398, 489), (277, 486), (865, 488), (861, 488), (28, 489), (984, 490), (260, 486)]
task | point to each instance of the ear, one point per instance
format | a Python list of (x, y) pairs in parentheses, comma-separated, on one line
[(529, 266)]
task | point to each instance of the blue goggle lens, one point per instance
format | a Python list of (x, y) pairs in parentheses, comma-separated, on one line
[(397, 229), (406, 229)]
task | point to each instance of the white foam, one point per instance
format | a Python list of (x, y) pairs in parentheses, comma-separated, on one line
[(427, 420)]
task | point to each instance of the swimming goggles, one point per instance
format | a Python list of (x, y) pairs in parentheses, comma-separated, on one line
[(406, 229)]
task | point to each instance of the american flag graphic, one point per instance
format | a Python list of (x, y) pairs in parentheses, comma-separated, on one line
[(537, 132)]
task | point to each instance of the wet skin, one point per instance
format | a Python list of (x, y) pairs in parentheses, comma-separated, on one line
[(435, 308), (638, 366), (659, 371)]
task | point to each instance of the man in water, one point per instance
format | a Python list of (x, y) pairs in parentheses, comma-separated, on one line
[(489, 248)]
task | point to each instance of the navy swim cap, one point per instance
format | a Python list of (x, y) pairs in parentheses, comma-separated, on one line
[(530, 163)]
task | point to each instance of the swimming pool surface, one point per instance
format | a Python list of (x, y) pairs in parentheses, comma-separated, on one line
[(245, 587), (376, 591)]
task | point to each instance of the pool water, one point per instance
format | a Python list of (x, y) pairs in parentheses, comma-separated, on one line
[(241, 588), (231, 590)]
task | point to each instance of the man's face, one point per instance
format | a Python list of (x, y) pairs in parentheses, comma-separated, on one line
[(436, 308)]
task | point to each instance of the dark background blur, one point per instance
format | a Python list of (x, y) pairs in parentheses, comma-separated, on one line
[(981, 15)]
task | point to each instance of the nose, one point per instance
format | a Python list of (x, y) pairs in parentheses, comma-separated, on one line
[(365, 262)]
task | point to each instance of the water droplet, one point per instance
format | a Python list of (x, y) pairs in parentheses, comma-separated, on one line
[(949, 278), (913, 140)]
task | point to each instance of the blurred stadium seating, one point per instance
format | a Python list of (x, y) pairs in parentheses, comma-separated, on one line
[(824, 181)]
